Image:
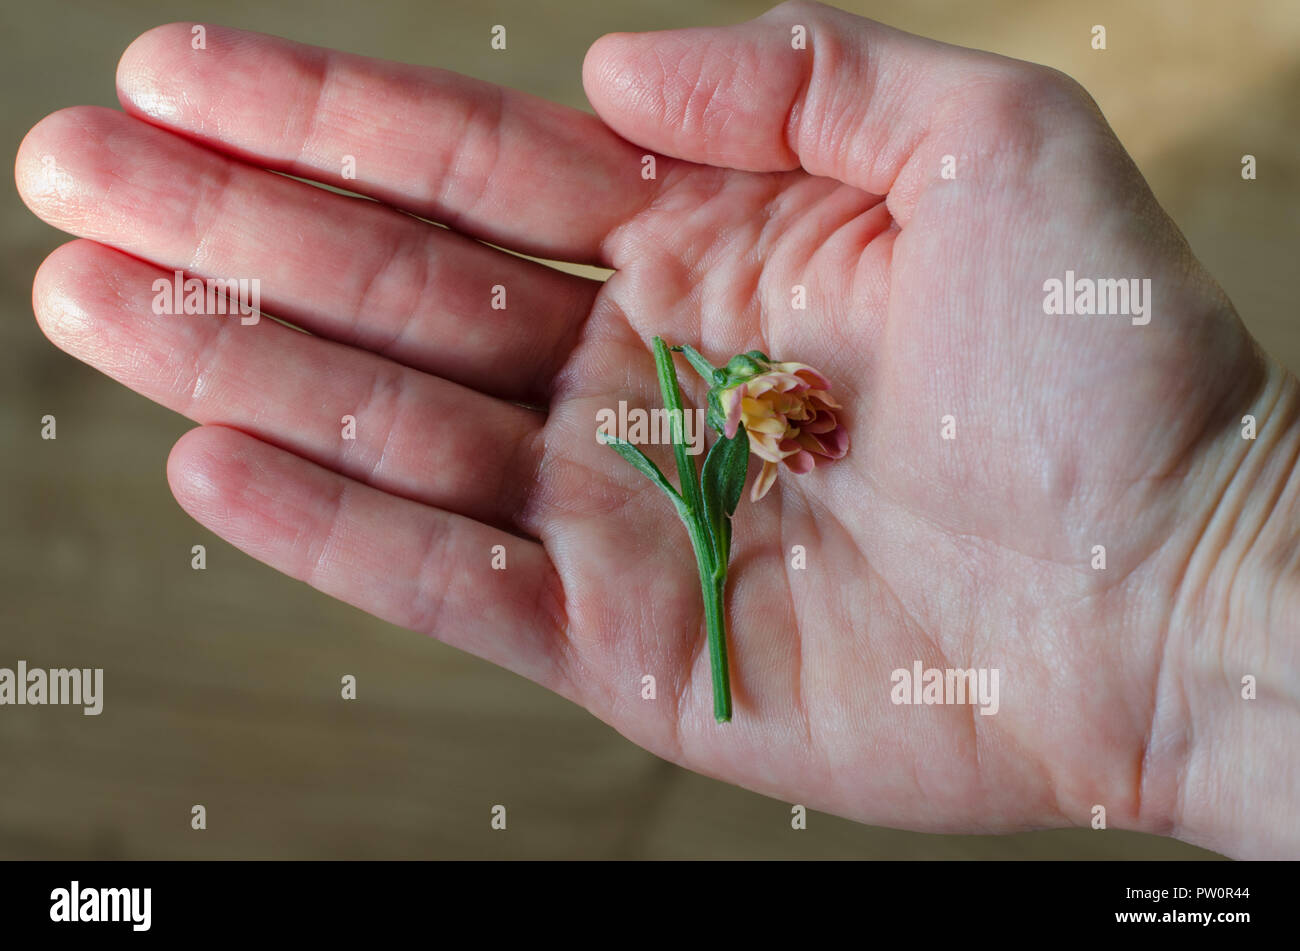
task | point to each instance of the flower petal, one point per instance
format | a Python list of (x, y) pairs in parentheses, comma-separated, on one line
[(821, 396), (772, 425), (767, 447), (835, 444), (824, 423), (800, 462), (763, 482), (809, 376), (730, 401)]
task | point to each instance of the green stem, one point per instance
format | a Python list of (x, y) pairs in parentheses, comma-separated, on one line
[(713, 576), (713, 582), (716, 620)]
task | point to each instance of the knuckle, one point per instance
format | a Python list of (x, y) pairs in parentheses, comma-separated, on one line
[(1020, 96), (1018, 108)]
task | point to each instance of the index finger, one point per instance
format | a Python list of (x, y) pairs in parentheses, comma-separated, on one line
[(491, 162)]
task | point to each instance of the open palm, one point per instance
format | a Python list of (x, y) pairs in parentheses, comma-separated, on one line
[(776, 169)]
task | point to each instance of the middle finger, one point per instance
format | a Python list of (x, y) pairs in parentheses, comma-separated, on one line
[(346, 268)]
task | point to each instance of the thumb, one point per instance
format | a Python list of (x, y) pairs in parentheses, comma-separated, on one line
[(806, 85)]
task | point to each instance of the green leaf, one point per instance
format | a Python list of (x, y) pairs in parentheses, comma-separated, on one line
[(672, 397), (721, 483), (745, 365), (735, 464), (714, 415), (707, 371), (642, 463)]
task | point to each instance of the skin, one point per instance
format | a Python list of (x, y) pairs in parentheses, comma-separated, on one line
[(775, 167)]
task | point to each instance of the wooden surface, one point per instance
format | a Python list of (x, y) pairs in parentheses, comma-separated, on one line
[(222, 685)]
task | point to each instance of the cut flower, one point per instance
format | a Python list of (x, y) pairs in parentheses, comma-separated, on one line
[(783, 413), (788, 412)]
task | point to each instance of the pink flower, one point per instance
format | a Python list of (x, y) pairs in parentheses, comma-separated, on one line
[(788, 412)]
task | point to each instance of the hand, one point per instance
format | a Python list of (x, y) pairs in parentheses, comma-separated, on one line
[(775, 167)]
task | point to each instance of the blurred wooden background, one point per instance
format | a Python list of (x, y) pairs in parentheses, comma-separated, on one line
[(222, 686)]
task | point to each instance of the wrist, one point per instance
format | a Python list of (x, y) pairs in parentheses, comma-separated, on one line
[(1229, 694)]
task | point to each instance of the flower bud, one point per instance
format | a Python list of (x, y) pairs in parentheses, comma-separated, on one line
[(787, 411)]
